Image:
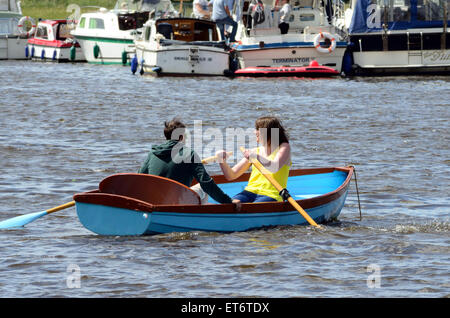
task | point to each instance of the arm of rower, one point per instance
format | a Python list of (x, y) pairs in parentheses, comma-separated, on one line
[(235, 172), (283, 157)]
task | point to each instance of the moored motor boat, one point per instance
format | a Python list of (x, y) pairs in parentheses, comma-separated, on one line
[(312, 34), (313, 70), (138, 204), (15, 29), (107, 36), (53, 41), (181, 47)]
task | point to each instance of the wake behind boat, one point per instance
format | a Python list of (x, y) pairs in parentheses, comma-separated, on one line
[(139, 204)]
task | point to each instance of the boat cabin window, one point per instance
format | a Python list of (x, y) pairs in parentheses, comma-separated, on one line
[(188, 30), (432, 10), (148, 32), (63, 32), (131, 21), (394, 10), (82, 23), (8, 26), (306, 17), (95, 23), (41, 32)]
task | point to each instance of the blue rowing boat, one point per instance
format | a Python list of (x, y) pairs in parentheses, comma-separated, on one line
[(139, 204)]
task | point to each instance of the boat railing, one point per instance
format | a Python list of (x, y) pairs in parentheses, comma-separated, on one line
[(339, 9)]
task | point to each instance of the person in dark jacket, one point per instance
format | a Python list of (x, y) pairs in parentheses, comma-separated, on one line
[(175, 161)]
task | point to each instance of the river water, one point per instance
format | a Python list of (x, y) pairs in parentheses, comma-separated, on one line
[(65, 127)]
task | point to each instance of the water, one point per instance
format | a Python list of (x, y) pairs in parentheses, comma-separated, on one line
[(65, 127)]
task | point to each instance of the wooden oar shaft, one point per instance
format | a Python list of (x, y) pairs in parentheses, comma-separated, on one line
[(61, 207), (213, 158), (266, 173)]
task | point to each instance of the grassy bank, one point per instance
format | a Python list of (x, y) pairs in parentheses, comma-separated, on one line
[(57, 9)]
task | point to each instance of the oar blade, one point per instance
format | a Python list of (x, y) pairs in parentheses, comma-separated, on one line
[(21, 220)]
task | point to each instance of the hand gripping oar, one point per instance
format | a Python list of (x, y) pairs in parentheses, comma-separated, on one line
[(283, 192), (23, 220)]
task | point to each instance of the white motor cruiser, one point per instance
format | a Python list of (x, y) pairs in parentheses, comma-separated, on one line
[(399, 37), (15, 29), (312, 34), (107, 36), (181, 46)]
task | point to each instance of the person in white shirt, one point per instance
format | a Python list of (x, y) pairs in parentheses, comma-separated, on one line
[(285, 13), (202, 9)]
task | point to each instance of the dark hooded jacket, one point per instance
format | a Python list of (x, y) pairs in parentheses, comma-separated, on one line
[(183, 166)]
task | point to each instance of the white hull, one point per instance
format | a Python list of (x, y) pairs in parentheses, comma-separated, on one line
[(292, 56), (183, 60), (110, 51), (102, 29), (408, 61), (55, 53), (12, 48), (264, 45)]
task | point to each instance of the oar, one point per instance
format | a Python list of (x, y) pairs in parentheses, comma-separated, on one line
[(23, 220), (283, 192), (213, 158)]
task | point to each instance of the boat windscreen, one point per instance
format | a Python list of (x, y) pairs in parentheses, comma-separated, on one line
[(9, 5), (161, 7), (130, 21), (63, 32)]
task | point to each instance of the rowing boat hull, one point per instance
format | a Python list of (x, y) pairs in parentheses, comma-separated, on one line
[(115, 215)]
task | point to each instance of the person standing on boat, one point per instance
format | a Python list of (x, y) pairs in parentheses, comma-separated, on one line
[(274, 153), (285, 13), (221, 14), (202, 9), (175, 161)]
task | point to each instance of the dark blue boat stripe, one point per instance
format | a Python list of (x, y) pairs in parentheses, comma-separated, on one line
[(284, 45)]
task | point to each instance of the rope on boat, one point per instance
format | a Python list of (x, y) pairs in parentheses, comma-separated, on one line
[(357, 192)]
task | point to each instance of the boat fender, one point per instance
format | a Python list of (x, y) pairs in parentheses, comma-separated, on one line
[(142, 67), (347, 63), (32, 52), (96, 50), (124, 57), (22, 29), (134, 64), (54, 55), (42, 54), (27, 52), (324, 35), (73, 53), (157, 70)]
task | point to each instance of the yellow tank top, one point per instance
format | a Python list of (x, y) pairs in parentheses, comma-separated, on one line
[(258, 184)]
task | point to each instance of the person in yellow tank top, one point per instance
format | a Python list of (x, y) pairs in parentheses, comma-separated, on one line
[(274, 153)]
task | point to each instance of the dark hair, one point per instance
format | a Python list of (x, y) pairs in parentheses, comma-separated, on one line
[(270, 123), (172, 126)]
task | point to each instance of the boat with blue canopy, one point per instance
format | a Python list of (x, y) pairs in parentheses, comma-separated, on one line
[(399, 37), (140, 204)]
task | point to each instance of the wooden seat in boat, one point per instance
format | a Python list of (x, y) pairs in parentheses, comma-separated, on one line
[(149, 188)]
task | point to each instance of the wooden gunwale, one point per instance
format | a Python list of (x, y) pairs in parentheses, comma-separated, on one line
[(113, 200)]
